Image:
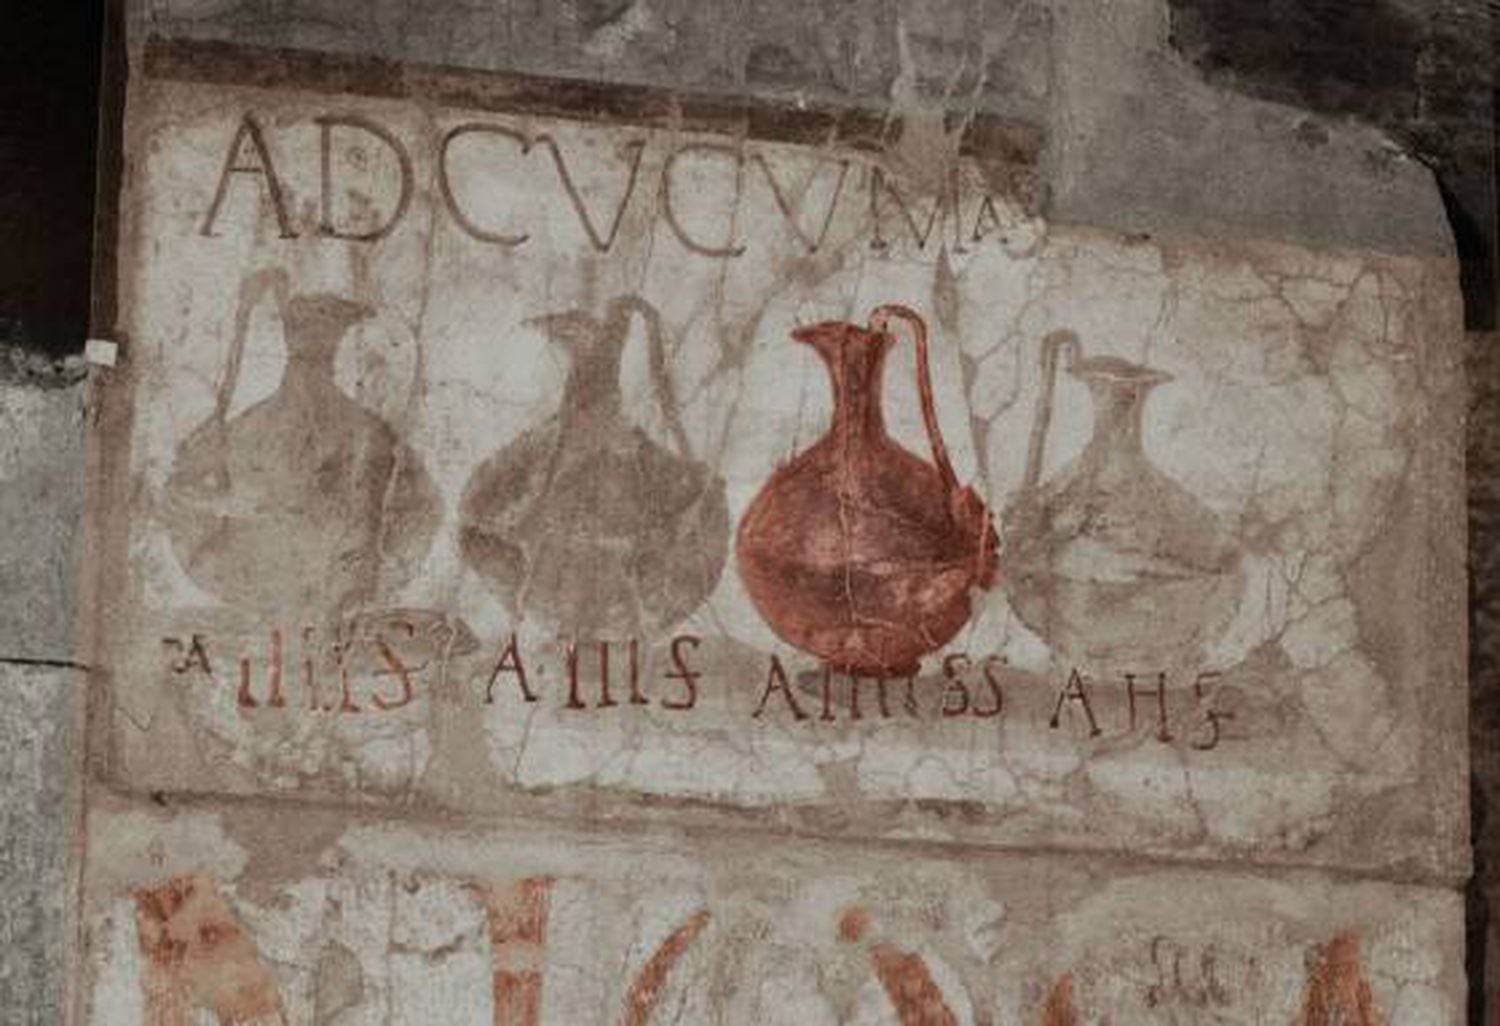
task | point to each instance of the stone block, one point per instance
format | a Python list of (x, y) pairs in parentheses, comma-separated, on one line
[(1142, 143), (41, 506), (37, 816)]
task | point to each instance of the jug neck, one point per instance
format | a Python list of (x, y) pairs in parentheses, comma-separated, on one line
[(311, 363), (594, 347), (855, 358), (315, 325), (1118, 407), (593, 385)]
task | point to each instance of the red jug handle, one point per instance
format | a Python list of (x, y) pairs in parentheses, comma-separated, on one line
[(879, 318)]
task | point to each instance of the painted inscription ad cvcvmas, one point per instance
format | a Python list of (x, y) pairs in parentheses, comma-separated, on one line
[(571, 456)]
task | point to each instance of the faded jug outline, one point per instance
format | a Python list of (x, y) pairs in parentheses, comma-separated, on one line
[(584, 519), (1113, 561), (305, 500), (857, 550)]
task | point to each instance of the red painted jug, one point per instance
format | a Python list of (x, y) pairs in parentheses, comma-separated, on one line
[(859, 551)]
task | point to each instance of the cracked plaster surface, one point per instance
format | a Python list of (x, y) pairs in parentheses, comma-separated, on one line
[(1313, 408)]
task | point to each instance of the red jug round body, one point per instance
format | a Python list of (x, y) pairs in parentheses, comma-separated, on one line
[(858, 551)]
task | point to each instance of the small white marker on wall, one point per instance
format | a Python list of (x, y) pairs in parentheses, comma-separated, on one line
[(100, 351)]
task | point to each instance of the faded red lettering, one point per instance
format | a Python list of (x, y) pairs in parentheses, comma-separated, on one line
[(953, 667), (1337, 992), (517, 921), (275, 699), (645, 992), (880, 185), (184, 657), (1212, 716), (904, 975), (397, 666), (570, 658), (636, 697), (986, 206), (509, 662), (994, 685), (1163, 734), (785, 206), (684, 673)]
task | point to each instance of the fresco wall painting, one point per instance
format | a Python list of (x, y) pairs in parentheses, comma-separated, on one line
[(503, 462)]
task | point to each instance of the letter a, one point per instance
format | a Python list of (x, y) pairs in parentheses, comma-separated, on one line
[(510, 662), (776, 682), (1075, 690), (249, 129)]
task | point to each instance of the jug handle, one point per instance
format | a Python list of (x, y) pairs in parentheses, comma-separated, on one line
[(878, 321), (1052, 347), (251, 290), (661, 381)]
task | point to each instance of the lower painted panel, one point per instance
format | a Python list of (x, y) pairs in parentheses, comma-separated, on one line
[(258, 915)]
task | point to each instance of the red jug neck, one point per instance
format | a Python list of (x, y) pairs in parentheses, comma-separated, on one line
[(855, 358)]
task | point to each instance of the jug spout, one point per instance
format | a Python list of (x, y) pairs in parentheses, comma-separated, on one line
[(855, 359), (1118, 389), (574, 330), (1114, 372)]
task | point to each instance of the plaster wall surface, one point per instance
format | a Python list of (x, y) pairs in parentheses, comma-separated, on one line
[(1192, 647), (350, 764)]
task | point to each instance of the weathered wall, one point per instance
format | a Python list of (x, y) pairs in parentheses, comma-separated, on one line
[(1484, 604), (346, 766), (1422, 71), (41, 499)]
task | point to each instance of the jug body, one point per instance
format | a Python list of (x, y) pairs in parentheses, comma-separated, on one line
[(306, 500), (586, 522), (1114, 563), (858, 551)]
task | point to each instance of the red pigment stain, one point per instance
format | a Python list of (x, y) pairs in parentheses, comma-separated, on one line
[(198, 957), (517, 919), (645, 992), (1337, 992)]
